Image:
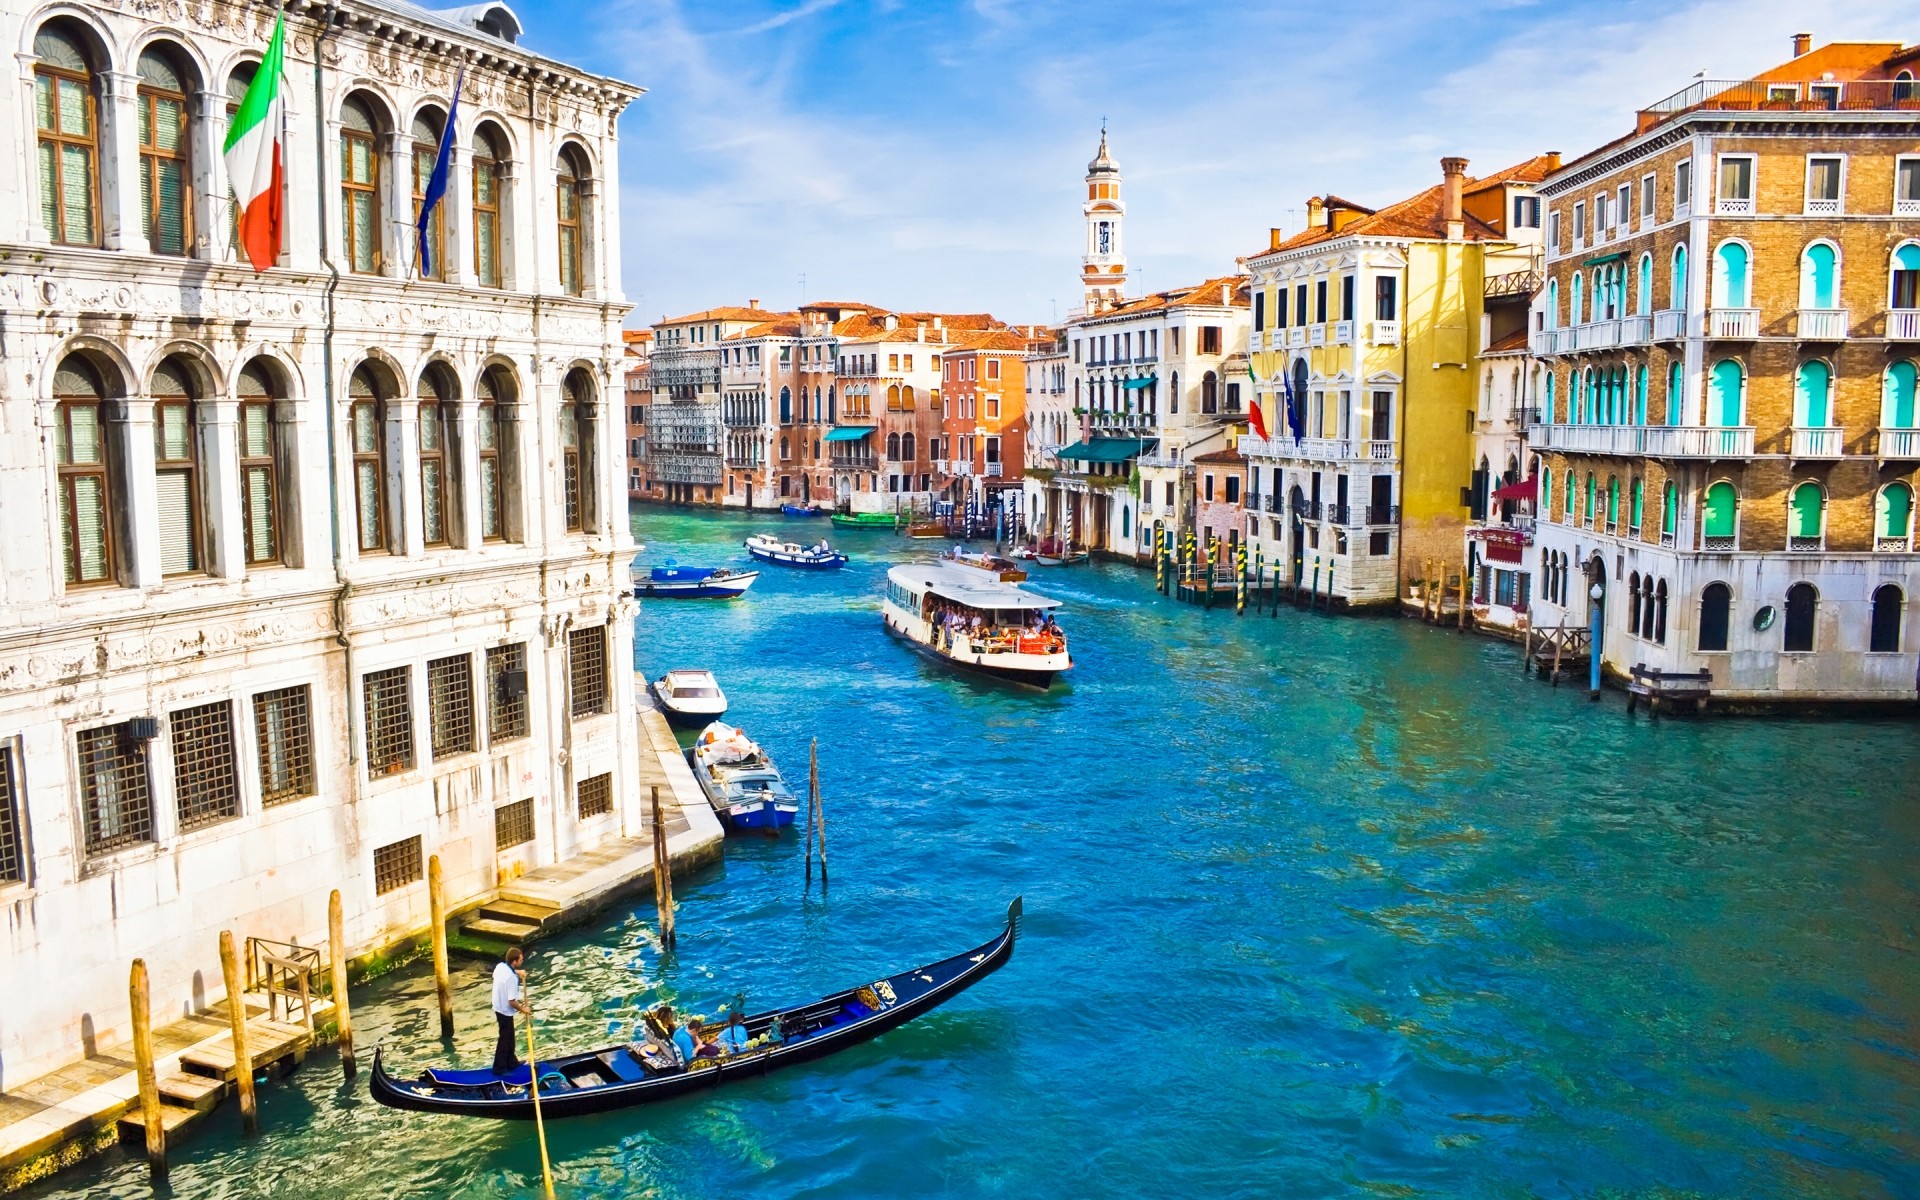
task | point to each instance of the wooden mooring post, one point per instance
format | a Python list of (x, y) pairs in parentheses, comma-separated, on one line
[(437, 903), (337, 966), (237, 1021), (819, 806), (140, 1001), (662, 875)]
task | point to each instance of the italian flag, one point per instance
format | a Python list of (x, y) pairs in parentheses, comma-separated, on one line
[(255, 154)]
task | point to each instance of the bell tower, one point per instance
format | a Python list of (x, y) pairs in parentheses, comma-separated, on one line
[(1103, 270)]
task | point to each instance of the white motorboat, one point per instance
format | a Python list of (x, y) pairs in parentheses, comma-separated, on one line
[(690, 697)]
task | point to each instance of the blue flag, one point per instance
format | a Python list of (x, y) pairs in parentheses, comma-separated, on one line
[(437, 182)]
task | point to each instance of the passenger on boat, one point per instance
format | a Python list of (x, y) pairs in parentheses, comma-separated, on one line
[(704, 1044), (508, 991), (659, 1050)]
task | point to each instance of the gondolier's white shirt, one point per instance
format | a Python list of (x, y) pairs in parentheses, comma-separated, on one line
[(506, 989)]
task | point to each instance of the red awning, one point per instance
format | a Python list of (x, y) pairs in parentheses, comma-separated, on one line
[(1527, 489)]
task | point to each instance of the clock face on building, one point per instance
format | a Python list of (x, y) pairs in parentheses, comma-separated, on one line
[(1106, 238)]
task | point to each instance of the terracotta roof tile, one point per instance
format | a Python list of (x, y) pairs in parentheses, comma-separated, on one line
[(1199, 295), (1517, 340), (1418, 216), (725, 313), (1230, 458), (1846, 60)]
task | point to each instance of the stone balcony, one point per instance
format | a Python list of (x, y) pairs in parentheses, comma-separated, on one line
[(1901, 444), (1734, 324), (1903, 324), (1650, 441), (1817, 443), (1821, 324)]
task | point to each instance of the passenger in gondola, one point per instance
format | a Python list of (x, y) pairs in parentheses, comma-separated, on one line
[(704, 1043)]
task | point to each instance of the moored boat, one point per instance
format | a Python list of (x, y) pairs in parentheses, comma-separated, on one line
[(624, 1075), (922, 530), (690, 697), (694, 583), (801, 510), (994, 566), (740, 781), (854, 520), (817, 557), (961, 617)]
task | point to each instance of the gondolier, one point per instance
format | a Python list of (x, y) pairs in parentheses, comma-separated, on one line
[(508, 989)]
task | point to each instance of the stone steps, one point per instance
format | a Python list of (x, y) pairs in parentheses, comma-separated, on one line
[(193, 1091), (174, 1119)]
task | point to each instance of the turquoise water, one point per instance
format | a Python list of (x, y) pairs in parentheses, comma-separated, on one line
[(1315, 907)]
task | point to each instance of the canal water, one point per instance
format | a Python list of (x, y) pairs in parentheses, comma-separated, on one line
[(1315, 907)]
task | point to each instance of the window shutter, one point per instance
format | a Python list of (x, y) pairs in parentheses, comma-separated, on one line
[(260, 546), (367, 485), (489, 498), (174, 490), (76, 169), (431, 501)]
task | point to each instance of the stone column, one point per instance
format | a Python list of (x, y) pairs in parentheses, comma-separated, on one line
[(212, 198), (220, 496), (456, 217), (136, 531), (466, 449), (408, 535), (120, 218), (397, 249)]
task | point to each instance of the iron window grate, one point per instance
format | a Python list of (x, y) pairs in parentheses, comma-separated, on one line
[(513, 824), (507, 692), (450, 697), (283, 723), (113, 786), (206, 787), (396, 865), (587, 670), (595, 796), (13, 859), (389, 713)]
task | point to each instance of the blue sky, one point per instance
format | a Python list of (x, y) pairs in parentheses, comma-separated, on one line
[(930, 154)]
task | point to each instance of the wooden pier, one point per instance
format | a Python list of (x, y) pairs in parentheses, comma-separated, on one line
[(1551, 653), (1657, 687)]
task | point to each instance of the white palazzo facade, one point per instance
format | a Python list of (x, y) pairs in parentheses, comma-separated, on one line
[(313, 574)]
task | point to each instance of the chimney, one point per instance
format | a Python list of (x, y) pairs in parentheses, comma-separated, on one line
[(1226, 294), (753, 304), (1315, 212), (893, 322), (1802, 42), (1273, 239), (1454, 170), (1553, 160), (919, 331)]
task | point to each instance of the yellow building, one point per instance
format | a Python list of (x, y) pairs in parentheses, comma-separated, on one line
[(1366, 327)]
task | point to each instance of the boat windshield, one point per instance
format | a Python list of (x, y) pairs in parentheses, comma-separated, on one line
[(687, 692)]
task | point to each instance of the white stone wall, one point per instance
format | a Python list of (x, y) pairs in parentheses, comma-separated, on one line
[(76, 658)]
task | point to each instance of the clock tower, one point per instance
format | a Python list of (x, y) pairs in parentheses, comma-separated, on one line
[(1103, 270)]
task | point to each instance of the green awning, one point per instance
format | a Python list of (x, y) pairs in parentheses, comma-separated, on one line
[(1604, 258), (849, 433), (1105, 450), (1134, 385)]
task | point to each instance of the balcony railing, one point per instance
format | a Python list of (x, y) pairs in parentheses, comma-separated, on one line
[(1383, 514), (1340, 514), (1903, 324), (1342, 333), (1596, 335), (1718, 544), (1899, 443), (1735, 324), (1765, 95), (1892, 545), (1822, 324), (1817, 443), (1513, 283), (1669, 324), (1806, 545), (1273, 503), (1386, 333), (1734, 206), (1524, 417), (1654, 441), (1636, 330)]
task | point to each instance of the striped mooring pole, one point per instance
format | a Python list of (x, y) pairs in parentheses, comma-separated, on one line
[(1240, 590)]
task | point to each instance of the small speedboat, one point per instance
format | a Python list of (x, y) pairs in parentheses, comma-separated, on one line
[(768, 548), (740, 781), (923, 530), (801, 510), (855, 520), (690, 697), (694, 583), (994, 566), (621, 1075)]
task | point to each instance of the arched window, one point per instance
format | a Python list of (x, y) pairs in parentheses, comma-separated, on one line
[(1546, 399), (577, 450), (360, 218), (369, 392), (166, 167), (1640, 395), (1677, 280), (1897, 407), (1676, 386), (906, 447), (1573, 488), (1553, 304), (1574, 286), (490, 168), (1883, 635), (1633, 602), (176, 468), (1726, 393), (906, 397), (1903, 87), (1669, 512), (786, 408), (1580, 380), (1819, 276), (439, 463), (1643, 298), (260, 463), (497, 461), (238, 81), (785, 450), (1730, 282), (1803, 602), (1592, 491), (1716, 611), (88, 478), (1209, 393), (570, 210), (893, 447), (430, 261), (1893, 518), (1634, 507), (1126, 521), (1613, 502), (1659, 613), (1546, 492), (1813, 395), (66, 123), (832, 407), (1903, 290), (1805, 509), (1720, 517)]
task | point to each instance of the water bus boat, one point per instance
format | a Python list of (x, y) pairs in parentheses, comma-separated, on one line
[(934, 608), (801, 510), (1003, 569), (690, 697), (740, 781), (818, 557), (694, 583), (624, 1075), (854, 520)]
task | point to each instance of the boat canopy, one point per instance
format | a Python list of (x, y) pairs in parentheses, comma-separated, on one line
[(849, 433), (969, 589), (1104, 449)]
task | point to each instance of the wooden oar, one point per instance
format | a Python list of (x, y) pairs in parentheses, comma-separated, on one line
[(533, 1082)]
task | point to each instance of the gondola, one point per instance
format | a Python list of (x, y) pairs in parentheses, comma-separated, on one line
[(613, 1077)]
